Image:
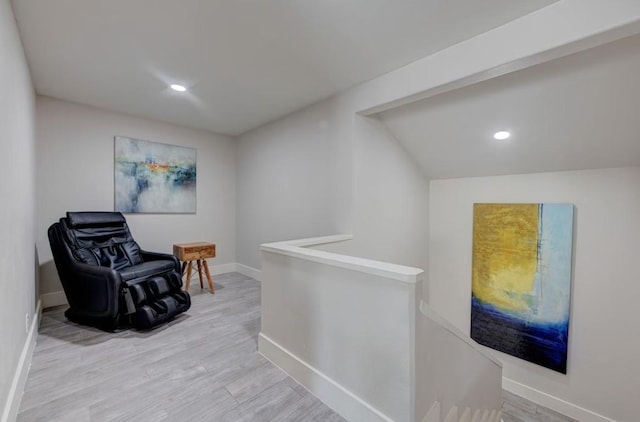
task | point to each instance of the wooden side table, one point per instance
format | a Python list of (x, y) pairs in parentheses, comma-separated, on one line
[(199, 252)]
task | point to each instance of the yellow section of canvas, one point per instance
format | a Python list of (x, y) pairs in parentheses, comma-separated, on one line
[(505, 239)]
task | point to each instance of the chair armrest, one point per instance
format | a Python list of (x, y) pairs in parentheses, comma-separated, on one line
[(96, 290), (155, 256)]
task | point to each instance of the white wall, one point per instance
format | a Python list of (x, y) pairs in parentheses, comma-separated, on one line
[(322, 323), (324, 171), (75, 173), (603, 373), (286, 175), (281, 165), (570, 26), (17, 190), (391, 199), (452, 369)]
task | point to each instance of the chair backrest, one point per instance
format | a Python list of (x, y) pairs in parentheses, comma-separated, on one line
[(100, 238)]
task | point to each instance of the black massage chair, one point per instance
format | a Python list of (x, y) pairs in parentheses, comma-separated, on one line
[(108, 280)]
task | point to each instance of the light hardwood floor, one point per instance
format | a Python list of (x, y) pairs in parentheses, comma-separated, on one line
[(203, 366), (518, 409)]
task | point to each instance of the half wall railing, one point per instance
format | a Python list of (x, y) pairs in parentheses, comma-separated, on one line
[(355, 333)]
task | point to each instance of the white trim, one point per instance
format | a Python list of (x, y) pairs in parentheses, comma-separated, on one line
[(383, 269), (428, 312), (552, 402), (49, 300), (254, 273), (12, 406), (334, 395), (433, 415), (315, 241), (572, 26), (222, 268)]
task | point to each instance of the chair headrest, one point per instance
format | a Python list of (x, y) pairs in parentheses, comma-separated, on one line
[(92, 218)]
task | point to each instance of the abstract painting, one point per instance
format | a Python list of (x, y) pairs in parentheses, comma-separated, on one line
[(521, 280), (154, 178)]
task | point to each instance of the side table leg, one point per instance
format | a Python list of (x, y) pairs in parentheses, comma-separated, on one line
[(188, 281), (184, 268), (200, 273), (209, 280)]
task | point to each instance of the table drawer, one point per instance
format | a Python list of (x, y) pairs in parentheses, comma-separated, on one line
[(193, 251)]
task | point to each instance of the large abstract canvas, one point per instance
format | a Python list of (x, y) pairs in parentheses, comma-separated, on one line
[(521, 280), (154, 178)]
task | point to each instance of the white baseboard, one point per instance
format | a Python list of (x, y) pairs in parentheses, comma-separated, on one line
[(222, 268), (249, 271), (344, 402), (49, 300), (12, 406), (553, 403)]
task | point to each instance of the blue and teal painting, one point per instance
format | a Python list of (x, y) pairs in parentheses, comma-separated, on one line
[(154, 178), (521, 280)]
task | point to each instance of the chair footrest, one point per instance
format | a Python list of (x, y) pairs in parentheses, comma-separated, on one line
[(160, 310), (158, 299)]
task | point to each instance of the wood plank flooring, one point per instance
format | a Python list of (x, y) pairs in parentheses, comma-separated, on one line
[(518, 409), (203, 366)]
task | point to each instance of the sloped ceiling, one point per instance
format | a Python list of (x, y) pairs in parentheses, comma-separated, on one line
[(246, 62), (578, 112)]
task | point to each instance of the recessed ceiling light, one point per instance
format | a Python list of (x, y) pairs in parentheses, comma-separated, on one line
[(502, 135), (179, 88)]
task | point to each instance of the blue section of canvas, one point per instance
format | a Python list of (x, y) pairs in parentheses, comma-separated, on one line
[(541, 343)]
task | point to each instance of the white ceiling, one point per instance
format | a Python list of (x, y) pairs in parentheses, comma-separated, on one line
[(578, 112), (246, 62)]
